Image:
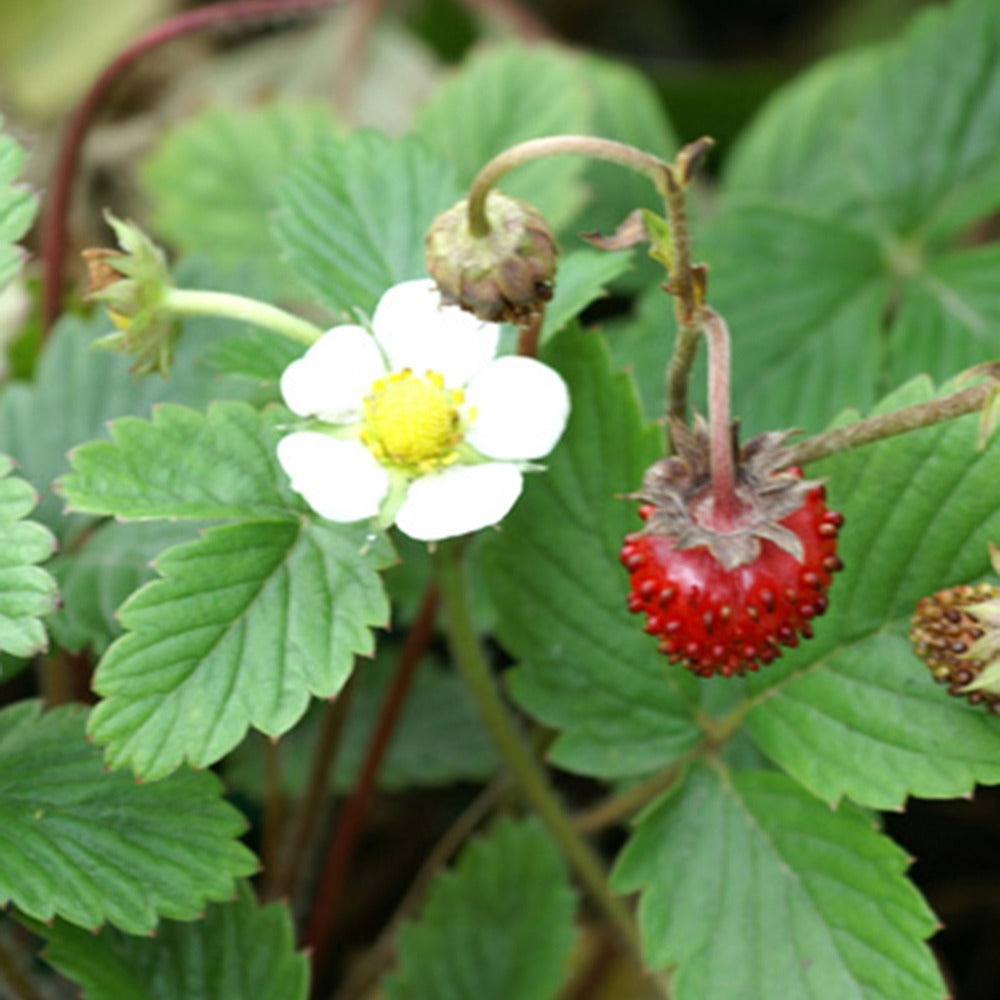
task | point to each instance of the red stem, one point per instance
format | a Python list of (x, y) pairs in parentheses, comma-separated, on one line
[(338, 859), (725, 504), (54, 223)]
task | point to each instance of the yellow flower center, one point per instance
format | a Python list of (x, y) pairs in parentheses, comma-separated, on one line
[(413, 420)]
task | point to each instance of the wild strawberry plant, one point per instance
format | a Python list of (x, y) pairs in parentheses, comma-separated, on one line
[(278, 582)]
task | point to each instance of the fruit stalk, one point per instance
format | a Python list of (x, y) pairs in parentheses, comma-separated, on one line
[(725, 504), (535, 149)]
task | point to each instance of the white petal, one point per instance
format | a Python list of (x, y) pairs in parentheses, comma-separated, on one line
[(461, 499), (521, 409), (340, 480), (417, 332), (332, 378)]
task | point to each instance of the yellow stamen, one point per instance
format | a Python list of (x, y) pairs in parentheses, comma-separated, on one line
[(413, 420)]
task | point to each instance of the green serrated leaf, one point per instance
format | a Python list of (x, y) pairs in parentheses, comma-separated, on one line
[(101, 571), (555, 577), (804, 297), (439, 739), (922, 151), (582, 278), (256, 354), (213, 180), (238, 951), (75, 392), (499, 926), (27, 592), (245, 624), (920, 512), (795, 150), (948, 316), (752, 888), (91, 847), (18, 206), (182, 463), (352, 217), (493, 102)]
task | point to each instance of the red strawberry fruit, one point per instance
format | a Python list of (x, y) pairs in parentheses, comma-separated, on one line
[(725, 590)]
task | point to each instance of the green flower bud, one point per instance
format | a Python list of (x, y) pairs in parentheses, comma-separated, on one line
[(132, 283), (506, 275)]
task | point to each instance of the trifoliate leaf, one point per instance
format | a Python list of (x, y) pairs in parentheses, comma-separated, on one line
[(238, 951), (182, 463), (353, 215), (107, 565), (91, 847), (920, 514), (246, 623), (752, 888), (559, 587), (843, 196), (499, 926), (17, 207), (467, 131), (27, 592)]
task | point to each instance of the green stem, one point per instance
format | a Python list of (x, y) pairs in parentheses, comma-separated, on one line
[(474, 668), (193, 302), (554, 145), (910, 418)]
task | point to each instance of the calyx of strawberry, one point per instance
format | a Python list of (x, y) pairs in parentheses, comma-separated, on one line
[(679, 488)]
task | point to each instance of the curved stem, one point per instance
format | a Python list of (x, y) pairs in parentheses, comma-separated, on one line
[(195, 302), (54, 223), (554, 145), (910, 418), (471, 662)]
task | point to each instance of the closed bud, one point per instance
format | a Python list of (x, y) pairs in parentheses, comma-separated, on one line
[(506, 275)]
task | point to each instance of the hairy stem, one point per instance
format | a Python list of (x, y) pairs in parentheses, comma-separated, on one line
[(554, 145), (725, 505), (194, 302), (54, 223), (686, 282), (341, 852), (910, 418), (471, 663)]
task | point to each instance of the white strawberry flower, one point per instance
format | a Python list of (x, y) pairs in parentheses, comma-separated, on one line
[(416, 421)]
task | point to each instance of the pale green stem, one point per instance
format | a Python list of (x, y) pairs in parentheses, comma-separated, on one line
[(553, 145), (472, 665), (194, 302)]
